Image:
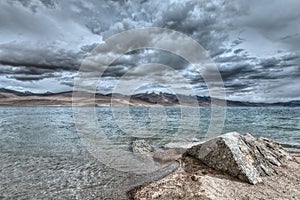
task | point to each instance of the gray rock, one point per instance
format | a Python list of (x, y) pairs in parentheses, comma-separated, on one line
[(180, 147), (165, 156), (172, 151), (141, 147), (241, 156)]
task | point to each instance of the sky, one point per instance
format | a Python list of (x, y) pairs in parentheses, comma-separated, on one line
[(254, 44)]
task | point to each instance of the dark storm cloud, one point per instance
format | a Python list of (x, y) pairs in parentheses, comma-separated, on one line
[(38, 39), (32, 5), (270, 62), (43, 58), (237, 71), (254, 44), (27, 77), (232, 87), (191, 18), (27, 73), (5, 69), (205, 22), (152, 56)]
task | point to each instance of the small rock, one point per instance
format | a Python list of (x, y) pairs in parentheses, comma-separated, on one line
[(167, 155), (180, 147), (156, 195), (141, 147), (194, 178)]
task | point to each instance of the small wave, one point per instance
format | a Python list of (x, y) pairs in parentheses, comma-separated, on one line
[(290, 146), (285, 128)]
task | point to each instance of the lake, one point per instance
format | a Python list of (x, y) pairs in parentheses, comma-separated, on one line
[(42, 155)]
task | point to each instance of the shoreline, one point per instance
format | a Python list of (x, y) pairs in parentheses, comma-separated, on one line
[(194, 180)]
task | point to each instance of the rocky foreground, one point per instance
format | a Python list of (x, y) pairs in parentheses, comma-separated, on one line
[(231, 166)]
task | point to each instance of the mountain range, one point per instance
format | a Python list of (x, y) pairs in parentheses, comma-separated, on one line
[(15, 98)]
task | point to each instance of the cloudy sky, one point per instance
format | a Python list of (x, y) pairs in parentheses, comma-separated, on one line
[(255, 44)]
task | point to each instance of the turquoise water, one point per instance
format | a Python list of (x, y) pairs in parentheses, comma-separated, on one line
[(281, 124), (41, 154)]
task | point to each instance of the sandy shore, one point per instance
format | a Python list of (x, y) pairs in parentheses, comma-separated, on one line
[(194, 180)]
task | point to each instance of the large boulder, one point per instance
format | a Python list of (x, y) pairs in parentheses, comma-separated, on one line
[(241, 156)]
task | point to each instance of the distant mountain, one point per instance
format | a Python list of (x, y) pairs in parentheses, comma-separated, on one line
[(3, 90), (295, 102), (15, 98), (28, 93)]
